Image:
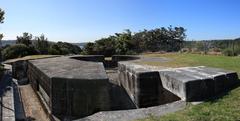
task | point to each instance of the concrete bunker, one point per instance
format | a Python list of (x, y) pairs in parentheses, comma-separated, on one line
[(73, 87), (70, 92)]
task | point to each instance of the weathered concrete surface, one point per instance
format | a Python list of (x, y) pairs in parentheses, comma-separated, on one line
[(71, 88), (197, 83), (143, 85), (32, 106), (146, 84), (7, 111), (19, 71), (130, 115)]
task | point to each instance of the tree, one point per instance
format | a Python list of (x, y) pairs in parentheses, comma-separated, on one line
[(1, 35), (105, 46), (41, 44), (26, 39), (18, 50), (64, 48), (159, 39), (89, 48)]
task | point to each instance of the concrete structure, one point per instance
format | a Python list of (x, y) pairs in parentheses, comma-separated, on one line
[(72, 87), (143, 85), (69, 87), (7, 108), (148, 84), (198, 83)]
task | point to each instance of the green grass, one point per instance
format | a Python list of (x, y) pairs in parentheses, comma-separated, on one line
[(181, 60), (30, 57), (225, 108)]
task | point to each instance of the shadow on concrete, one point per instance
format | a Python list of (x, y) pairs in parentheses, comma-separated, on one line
[(30, 119), (5, 95), (221, 95), (120, 100)]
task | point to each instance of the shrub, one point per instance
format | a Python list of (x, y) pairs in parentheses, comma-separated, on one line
[(229, 52), (18, 50)]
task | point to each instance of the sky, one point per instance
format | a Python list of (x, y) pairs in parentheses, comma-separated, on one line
[(89, 20)]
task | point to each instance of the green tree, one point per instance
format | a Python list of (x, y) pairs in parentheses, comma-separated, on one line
[(105, 46), (124, 42), (89, 48), (64, 48), (26, 39), (18, 50), (1, 35), (41, 44)]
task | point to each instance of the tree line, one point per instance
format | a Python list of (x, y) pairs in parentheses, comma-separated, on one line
[(29, 45), (168, 39), (228, 47)]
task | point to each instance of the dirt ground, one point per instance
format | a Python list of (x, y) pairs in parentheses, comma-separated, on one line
[(32, 106)]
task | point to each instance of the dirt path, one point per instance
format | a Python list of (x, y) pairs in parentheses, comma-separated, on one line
[(32, 106)]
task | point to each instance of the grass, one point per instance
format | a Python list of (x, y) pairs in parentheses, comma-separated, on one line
[(181, 60), (225, 108), (30, 57)]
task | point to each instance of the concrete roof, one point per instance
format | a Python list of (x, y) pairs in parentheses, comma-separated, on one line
[(65, 67)]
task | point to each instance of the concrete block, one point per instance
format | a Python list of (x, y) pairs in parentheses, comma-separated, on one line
[(143, 85), (197, 83)]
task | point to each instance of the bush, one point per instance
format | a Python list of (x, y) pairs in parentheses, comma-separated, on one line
[(237, 51), (229, 52), (18, 50), (64, 48)]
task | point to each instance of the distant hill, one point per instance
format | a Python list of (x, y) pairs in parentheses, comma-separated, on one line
[(81, 45), (8, 42), (12, 42)]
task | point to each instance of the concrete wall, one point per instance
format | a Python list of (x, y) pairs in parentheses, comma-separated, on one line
[(19, 69), (143, 86), (79, 98), (198, 83), (40, 82), (70, 97)]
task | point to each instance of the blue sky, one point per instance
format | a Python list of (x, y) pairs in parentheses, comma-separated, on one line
[(88, 20)]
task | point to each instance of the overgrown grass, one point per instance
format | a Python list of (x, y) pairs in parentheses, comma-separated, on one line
[(226, 108)]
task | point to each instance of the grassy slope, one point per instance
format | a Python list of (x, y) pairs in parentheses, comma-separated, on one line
[(226, 108)]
